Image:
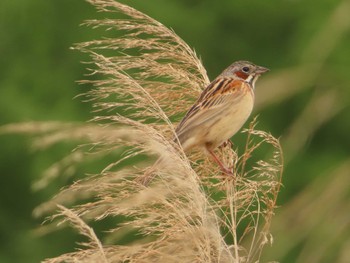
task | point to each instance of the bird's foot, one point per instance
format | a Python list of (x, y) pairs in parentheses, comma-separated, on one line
[(227, 171), (226, 143)]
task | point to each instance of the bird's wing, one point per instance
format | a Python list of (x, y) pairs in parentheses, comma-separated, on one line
[(220, 95)]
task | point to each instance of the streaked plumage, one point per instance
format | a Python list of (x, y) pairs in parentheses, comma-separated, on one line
[(221, 110)]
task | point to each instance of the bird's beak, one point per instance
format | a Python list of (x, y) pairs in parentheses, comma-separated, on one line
[(261, 70)]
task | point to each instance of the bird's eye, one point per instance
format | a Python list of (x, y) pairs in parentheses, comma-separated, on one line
[(245, 69)]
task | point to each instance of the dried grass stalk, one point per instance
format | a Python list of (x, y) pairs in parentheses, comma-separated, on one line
[(190, 212)]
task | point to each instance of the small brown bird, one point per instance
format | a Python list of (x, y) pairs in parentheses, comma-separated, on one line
[(221, 110)]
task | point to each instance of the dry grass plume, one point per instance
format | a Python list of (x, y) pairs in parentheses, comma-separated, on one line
[(190, 212)]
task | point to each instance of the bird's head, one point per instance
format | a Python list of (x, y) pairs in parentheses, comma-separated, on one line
[(244, 70)]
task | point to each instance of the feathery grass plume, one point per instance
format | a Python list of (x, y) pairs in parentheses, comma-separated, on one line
[(190, 212), (153, 71)]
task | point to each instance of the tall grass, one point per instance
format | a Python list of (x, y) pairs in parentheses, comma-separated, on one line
[(144, 80)]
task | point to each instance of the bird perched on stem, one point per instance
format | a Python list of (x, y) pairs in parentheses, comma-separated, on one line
[(220, 111)]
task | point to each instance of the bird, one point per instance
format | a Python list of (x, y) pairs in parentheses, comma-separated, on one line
[(220, 111)]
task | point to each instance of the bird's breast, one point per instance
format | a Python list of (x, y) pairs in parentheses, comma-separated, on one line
[(230, 122)]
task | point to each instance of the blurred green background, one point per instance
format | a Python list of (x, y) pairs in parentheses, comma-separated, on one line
[(304, 100)]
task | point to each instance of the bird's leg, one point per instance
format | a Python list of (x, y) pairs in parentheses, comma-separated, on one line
[(222, 147), (217, 160)]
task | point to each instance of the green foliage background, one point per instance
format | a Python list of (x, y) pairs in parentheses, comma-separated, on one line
[(37, 82)]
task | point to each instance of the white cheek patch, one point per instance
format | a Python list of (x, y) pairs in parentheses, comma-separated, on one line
[(249, 79), (252, 79)]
